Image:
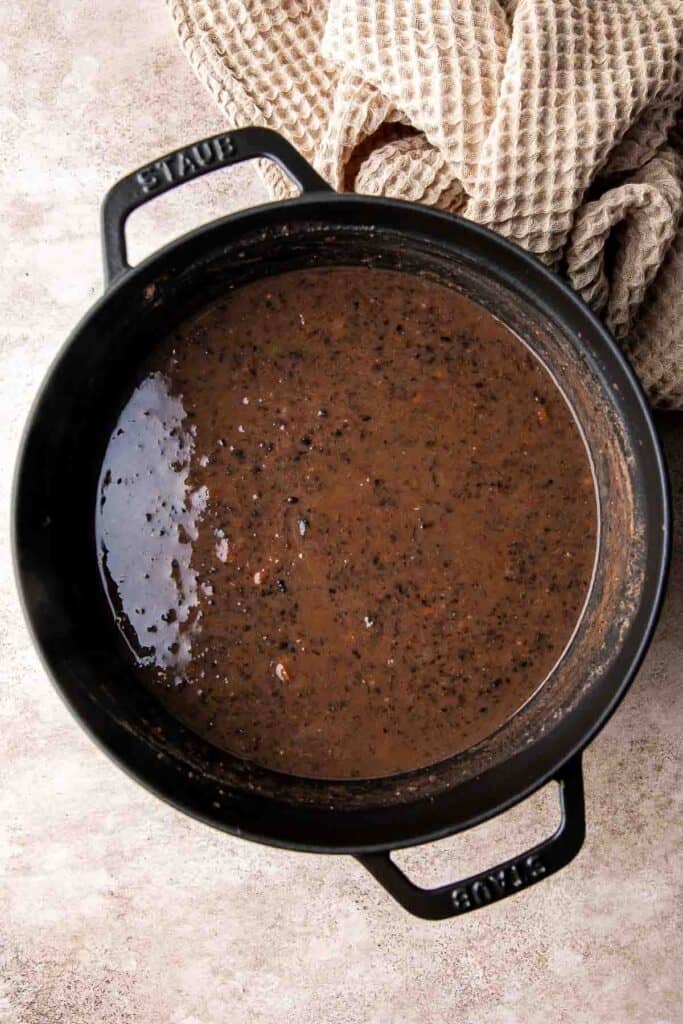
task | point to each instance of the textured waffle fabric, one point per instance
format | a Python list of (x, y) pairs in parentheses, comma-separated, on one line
[(554, 122)]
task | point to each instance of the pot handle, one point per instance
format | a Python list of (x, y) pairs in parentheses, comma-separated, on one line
[(188, 163), (504, 880)]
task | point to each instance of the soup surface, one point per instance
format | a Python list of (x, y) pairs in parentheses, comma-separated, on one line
[(346, 523)]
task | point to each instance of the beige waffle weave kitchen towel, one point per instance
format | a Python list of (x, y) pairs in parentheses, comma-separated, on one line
[(553, 122)]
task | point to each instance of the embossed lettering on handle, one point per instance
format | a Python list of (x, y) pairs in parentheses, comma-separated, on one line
[(501, 881), (187, 163), (498, 883)]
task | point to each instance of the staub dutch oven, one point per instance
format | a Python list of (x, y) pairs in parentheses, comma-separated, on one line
[(69, 614)]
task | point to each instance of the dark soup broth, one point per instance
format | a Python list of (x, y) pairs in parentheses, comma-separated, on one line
[(347, 523)]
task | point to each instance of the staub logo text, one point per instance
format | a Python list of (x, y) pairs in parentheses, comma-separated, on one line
[(492, 887), (185, 163)]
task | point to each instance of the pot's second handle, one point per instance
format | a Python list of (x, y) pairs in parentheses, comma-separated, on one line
[(501, 881), (192, 162)]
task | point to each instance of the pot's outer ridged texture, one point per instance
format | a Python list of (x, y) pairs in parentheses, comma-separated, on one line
[(549, 121)]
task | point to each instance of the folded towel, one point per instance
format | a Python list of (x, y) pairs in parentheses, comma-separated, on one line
[(557, 123)]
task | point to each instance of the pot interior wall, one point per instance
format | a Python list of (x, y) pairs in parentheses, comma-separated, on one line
[(81, 404)]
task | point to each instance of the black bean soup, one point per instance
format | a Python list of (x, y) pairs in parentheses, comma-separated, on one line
[(348, 523)]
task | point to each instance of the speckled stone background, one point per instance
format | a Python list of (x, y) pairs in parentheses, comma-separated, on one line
[(115, 909)]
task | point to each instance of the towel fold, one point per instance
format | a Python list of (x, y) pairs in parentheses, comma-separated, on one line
[(557, 123)]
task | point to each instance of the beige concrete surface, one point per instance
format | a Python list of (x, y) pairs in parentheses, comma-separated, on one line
[(116, 909)]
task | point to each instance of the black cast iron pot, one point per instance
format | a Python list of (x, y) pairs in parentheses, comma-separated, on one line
[(71, 620)]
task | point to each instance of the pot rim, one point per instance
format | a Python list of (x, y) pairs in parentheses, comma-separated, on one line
[(548, 288)]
